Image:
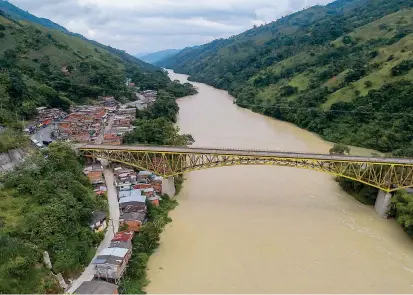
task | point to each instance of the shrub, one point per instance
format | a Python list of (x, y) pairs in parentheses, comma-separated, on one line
[(368, 84), (402, 68)]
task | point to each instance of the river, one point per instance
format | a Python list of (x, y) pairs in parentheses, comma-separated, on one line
[(263, 229)]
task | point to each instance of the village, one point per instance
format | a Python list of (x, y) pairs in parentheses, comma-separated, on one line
[(135, 192), (105, 122)]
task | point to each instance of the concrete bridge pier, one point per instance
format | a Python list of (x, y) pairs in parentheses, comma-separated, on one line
[(383, 203), (168, 186)]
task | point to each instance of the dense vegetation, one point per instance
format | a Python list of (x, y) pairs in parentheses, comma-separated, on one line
[(343, 70), (402, 209), (44, 67), (155, 124), (45, 205)]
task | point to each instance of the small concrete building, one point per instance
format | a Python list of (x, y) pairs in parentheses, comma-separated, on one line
[(98, 222), (111, 263), (134, 220), (149, 191), (96, 287), (154, 200)]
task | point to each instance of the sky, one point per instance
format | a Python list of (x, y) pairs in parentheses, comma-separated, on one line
[(143, 26)]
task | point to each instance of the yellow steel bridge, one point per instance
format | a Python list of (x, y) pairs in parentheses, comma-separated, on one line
[(387, 174)]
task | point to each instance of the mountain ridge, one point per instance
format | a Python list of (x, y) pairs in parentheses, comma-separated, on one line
[(19, 14), (324, 59), (157, 56)]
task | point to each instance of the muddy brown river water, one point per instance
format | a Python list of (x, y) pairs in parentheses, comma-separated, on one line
[(263, 229)]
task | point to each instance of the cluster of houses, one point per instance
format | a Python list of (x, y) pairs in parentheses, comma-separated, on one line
[(104, 123), (121, 122), (84, 124), (44, 118), (134, 191), (95, 174)]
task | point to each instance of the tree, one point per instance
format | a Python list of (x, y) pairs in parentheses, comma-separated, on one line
[(339, 149), (368, 84), (70, 68), (347, 39)]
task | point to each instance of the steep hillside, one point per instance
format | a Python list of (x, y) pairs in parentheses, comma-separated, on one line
[(47, 67), (20, 14), (341, 70), (155, 57), (16, 13)]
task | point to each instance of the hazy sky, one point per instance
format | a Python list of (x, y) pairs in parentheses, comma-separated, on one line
[(139, 26)]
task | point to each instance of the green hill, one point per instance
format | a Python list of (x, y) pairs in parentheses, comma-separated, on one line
[(40, 66), (155, 57), (341, 70), (20, 14)]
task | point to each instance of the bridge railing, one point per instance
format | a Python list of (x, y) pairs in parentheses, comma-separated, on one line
[(280, 153)]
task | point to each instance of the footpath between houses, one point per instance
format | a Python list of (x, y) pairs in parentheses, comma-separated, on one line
[(131, 197), (112, 228)]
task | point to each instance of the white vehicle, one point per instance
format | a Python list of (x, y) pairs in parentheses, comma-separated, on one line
[(39, 145), (35, 141)]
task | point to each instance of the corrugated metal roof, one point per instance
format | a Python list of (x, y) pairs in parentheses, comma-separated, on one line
[(139, 216), (96, 287), (144, 173), (139, 199), (130, 193), (118, 252)]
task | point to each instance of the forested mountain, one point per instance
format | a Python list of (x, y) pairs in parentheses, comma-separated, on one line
[(40, 66), (341, 70), (19, 14), (47, 203), (159, 55)]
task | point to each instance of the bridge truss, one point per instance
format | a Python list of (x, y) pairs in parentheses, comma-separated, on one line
[(383, 174)]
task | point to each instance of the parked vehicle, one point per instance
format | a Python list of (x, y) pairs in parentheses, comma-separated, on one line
[(47, 142)]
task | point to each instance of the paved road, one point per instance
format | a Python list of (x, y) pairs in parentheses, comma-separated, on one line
[(43, 134), (253, 153), (113, 227)]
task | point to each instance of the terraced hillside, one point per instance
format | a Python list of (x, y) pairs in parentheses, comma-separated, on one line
[(341, 70)]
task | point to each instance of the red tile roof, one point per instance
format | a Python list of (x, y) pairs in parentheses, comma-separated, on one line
[(123, 236)]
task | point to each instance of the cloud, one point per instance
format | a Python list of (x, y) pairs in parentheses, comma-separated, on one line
[(150, 25)]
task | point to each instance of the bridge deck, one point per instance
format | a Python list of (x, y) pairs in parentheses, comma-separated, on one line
[(251, 153)]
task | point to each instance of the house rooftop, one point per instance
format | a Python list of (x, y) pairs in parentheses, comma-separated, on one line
[(121, 244), (111, 256), (123, 236), (140, 216), (98, 216), (130, 193), (96, 287), (136, 199), (144, 173)]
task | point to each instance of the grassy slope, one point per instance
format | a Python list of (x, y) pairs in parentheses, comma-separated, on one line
[(363, 35), (77, 49), (341, 52)]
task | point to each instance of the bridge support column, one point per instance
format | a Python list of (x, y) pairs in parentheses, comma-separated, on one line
[(168, 186), (383, 203)]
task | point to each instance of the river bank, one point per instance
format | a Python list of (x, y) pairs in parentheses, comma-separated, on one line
[(239, 228)]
